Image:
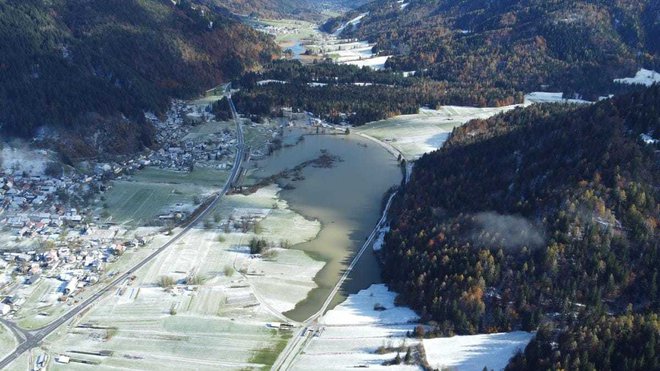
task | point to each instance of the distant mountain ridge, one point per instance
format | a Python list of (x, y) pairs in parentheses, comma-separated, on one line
[(83, 67), (570, 46)]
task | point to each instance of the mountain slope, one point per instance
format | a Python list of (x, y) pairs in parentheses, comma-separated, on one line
[(291, 9), (87, 65), (570, 46), (266, 8), (547, 209)]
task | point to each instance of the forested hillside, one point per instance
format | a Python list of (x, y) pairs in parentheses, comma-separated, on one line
[(88, 66), (345, 93), (565, 45), (535, 215), (266, 8), (289, 9), (626, 342)]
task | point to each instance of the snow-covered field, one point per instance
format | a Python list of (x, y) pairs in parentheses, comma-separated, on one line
[(376, 63), (354, 330), (473, 352), (642, 77), (7, 341), (359, 52), (426, 131), (344, 51), (546, 97), (218, 323)]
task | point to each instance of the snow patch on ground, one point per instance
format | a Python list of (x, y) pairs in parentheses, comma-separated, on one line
[(354, 330), (266, 82), (414, 135), (547, 97), (377, 63), (473, 352), (648, 139), (642, 77), (378, 244), (353, 22), (358, 309)]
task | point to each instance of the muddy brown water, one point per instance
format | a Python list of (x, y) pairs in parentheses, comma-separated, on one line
[(346, 199)]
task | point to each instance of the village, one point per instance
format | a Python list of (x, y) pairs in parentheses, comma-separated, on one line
[(53, 229)]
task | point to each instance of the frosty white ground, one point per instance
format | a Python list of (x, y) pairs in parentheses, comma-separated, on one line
[(549, 97), (376, 63), (219, 323), (426, 131), (380, 240), (7, 341), (354, 330), (643, 77), (473, 352)]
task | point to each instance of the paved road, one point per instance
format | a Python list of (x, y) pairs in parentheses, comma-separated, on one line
[(31, 339), (309, 328)]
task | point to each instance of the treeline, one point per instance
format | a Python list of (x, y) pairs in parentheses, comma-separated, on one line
[(577, 47), (78, 65), (340, 93), (626, 342), (541, 210)]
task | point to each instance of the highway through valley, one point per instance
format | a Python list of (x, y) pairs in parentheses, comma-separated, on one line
[(31, 339)]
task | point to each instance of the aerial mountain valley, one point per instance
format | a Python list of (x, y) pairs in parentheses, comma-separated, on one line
[(329, 185)]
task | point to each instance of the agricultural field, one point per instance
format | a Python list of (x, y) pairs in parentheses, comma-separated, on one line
[(206, 301), (414, 135), (258, 136), (376, 63), (356, 335), (7, 341), (292, 31), (354, 330), (199, 132), (474, 352), (153, 191), (42, 307)]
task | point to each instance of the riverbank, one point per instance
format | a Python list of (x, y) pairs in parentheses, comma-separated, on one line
[(345, 199)]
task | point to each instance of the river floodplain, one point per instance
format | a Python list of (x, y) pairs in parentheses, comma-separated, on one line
[(345, 197)]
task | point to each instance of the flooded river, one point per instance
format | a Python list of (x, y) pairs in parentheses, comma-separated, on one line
[(346, 199)]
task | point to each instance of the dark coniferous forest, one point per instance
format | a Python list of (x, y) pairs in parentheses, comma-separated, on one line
[(544, 216), (85, 66)]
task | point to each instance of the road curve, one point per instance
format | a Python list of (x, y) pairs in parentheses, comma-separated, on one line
[(38, 335)]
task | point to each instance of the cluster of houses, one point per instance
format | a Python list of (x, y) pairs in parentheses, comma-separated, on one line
[(75, 261), (277, 30), (66, 244), (180, 152), (22, 191)]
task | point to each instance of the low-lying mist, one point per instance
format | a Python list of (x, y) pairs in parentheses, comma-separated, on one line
[(513, 232)]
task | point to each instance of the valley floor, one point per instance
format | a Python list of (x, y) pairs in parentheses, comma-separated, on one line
[(368, 330)]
